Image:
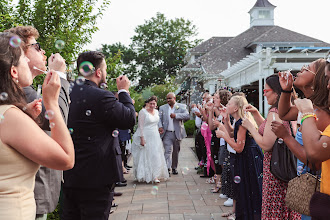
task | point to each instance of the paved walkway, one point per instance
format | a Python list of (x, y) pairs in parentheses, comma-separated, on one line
[(185, 196)]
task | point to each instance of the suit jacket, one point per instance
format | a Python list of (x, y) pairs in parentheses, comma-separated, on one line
[(48, 181), (181, 115), (94, 115)]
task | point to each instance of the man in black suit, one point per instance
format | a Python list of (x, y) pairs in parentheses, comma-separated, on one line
[(94, 116)]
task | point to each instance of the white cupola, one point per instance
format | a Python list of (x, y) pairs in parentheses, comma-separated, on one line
[(262, 14)]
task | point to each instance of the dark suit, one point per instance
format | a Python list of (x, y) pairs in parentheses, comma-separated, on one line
[(48, 181), (94, 115)]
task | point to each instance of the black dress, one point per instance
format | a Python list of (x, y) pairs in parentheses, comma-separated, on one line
[(248, 178)]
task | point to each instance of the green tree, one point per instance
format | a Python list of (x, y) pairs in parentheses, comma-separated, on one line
[(160, 45), (72, 22)]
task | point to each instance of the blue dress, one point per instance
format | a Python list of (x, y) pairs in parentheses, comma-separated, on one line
[(248, 169)]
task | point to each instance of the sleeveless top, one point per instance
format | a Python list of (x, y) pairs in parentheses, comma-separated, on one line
[(17, 178)]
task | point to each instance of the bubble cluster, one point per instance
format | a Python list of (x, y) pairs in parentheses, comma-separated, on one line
[(59, 44), (88, 112), (115, 133), (15, 41), (3, 96), (154, 190), (86, 68), (237, 179), (49, 114)]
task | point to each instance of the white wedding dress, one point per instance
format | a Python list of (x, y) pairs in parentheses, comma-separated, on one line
[(148, 160)]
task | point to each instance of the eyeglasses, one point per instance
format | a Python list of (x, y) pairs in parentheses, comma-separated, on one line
[(305, 67), (267, 90), (36, 46)]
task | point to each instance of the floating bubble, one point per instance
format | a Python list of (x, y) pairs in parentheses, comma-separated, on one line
[(134, 185), (1, 118), (257, 157), (80, 80), (71, 130), (280, 141), (88, 112), (59, 44), (89, 138), (300, 169), (115, 133), (49, 114), (324, 145), (129, 130), (154, 190), (15, 41), (52, 124), (103, 86), (86, 68), (237, 179), (3, 96)]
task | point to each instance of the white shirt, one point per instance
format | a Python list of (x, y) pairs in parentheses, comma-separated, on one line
[(170, 126)]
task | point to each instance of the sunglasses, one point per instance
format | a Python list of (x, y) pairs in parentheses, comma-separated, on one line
[(305, 67), (267, 90), (36, 46)]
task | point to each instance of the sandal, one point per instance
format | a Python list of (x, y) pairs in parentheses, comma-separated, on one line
[(227, 214), (217, 188), (232, 217)]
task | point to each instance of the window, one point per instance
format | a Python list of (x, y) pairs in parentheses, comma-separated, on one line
[(265, 14)]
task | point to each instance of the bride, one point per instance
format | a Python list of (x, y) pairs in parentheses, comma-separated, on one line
[(147, 147)]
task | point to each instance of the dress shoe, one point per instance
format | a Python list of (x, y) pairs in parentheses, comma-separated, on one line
[(111, 211), (114, 205), (120, 184), (117, 194), (174, 172)]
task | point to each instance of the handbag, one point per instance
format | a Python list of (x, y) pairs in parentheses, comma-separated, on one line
[(300, 191), (283, 164)]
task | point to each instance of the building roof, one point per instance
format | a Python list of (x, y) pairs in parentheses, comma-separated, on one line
[(236, 48), (209, 44), (263, 3)]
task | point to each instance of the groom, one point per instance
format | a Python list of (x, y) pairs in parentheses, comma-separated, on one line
[(171, 129)]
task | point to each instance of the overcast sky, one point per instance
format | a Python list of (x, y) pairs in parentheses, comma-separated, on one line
[(211, 17)]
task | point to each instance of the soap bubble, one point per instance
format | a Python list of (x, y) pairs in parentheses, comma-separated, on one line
[(237, 179), (300, 169), (86, 68), (115, 133), (280, 141), (71, 130), (324, 145), (80, 80), (52, 124), (15, 41), (49, 114), (3, 96), (154, 190), (103, 86), (88, 112), (59, 44)]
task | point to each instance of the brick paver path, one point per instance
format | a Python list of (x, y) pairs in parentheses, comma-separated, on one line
[(183, 197)]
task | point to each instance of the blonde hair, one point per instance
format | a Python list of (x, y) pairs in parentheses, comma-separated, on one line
[(240, 102)]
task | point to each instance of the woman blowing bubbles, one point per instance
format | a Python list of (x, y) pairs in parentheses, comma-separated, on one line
[(23, 145)]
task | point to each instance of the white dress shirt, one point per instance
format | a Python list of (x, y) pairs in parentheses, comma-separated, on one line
[(170, 126)]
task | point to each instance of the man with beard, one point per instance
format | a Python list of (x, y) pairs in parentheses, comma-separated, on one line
[(94, 116)]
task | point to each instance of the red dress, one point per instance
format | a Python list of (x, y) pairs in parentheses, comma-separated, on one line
[(273, 189)]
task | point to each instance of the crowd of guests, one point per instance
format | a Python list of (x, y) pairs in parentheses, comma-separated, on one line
[(76, 130), (234, 143)]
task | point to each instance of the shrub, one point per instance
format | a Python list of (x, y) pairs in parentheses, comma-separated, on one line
[(190, 127)]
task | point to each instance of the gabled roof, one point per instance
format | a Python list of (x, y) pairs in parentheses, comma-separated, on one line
[(263, 3), (235, 49), (209, 44)]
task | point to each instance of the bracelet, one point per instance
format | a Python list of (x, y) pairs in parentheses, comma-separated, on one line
[(307, 116), (306, 113), (285, 91)]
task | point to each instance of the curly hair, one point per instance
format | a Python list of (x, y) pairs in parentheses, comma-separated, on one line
[(152, 98), (24, 32), (224, 96)]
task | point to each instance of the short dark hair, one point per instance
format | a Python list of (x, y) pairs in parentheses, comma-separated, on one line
[(152, 98), (95, 57)]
